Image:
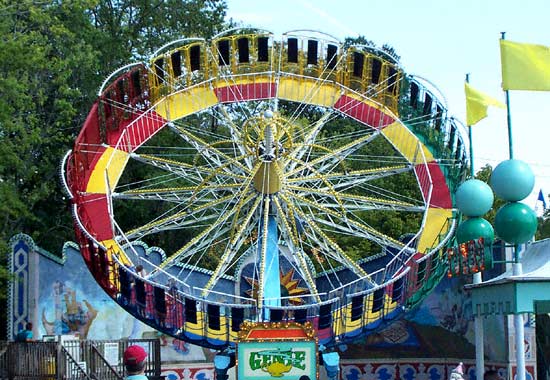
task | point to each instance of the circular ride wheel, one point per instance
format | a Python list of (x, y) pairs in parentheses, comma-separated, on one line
[(253, 179)]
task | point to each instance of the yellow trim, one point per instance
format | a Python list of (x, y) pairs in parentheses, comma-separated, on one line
[(243, 80), (435, 220), (116, 161), (389, 305), (308, 90), (342, 317), (348, 324), (114, 248), (195, 328), (180, 104), (222, 333), (407, 143), (369, 315)]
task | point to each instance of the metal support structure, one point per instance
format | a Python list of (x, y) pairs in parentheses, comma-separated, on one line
[(478, 321), (479, 337), (508, 117), (520, 330)]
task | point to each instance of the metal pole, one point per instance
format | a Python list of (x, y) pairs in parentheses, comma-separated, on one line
[(478, 322), (520, 332), (517, 268), (508, 117), (472, 174), (479, 335)]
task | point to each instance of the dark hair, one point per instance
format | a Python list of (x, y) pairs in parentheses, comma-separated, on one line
[(136, 368), (304, 377), (29, 326), (491, 375)]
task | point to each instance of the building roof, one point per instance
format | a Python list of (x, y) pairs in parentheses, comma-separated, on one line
[(528, 292)]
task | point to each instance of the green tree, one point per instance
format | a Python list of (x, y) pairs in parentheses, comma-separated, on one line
[(54, 56), (43, 87), (134, 29)]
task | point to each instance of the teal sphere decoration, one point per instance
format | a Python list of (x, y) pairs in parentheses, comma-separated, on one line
[(474, 197), (515, 223), (512, 180), (473, 229)]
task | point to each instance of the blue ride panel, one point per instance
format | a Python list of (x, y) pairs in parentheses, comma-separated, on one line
[(272, 283)]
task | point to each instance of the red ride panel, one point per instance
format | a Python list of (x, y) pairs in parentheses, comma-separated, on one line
[(94, 215), (441, 197), (287, 333), (242, 92), (137, 132), (363, 112)]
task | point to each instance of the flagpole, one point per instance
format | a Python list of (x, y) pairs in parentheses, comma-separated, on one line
[(478, 322), (470, 139), (517, 269), (508, 116)]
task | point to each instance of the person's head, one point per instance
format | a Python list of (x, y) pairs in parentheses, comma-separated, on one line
[(28, 326), (491, 375), (458, 372), (134, 360)]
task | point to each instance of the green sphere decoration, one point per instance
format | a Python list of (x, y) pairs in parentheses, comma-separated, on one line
[(473, 229), (512, 180), (515, 223), (474, 197)]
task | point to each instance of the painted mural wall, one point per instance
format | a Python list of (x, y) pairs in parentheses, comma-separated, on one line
[(60, 296)]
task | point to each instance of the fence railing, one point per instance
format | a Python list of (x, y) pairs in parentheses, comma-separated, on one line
[(73, 359)]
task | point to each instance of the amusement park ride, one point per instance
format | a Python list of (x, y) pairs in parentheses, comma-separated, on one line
[(290, 181)]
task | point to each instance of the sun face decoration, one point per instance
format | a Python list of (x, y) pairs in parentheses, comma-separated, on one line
[(289, 288)]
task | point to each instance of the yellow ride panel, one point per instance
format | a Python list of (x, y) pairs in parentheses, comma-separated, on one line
[(220, 334), (389, 304), (348, 324), (369, 315), (308, 91), (195, 328), (113, 248), (113, 161), (248, 79), (435, 222), (343, 316), (407, 143), (180, 104)]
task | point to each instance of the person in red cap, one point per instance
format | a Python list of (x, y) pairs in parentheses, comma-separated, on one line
[(134, 362)]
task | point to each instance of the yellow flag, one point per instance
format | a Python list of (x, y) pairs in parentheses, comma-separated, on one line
[(525, 66), (477, 103)]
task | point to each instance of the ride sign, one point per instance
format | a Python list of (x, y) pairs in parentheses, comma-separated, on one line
[(273, 351)]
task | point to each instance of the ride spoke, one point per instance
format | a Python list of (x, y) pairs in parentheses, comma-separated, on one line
[(292, 240), (334, 155), (209, 152), (192, 173), (233, 247)]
